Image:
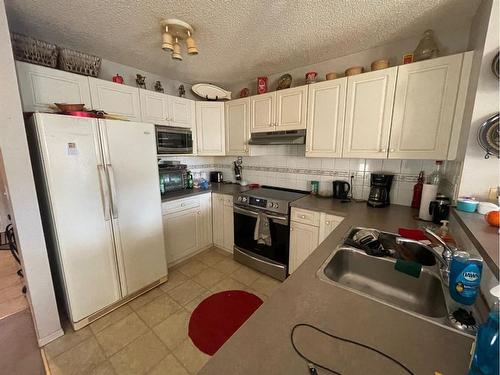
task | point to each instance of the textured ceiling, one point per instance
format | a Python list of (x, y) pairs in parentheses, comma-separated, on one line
[(238, 40)]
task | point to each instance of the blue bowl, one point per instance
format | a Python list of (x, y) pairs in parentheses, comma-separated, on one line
[(467, 205)]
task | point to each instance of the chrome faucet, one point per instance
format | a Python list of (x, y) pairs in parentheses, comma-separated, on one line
[(444, 259)]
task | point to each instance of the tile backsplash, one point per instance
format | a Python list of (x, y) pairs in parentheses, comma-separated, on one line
[(296, 172)]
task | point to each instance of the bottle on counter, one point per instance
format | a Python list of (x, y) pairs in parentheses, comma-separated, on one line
[(162, 184), (486, 353), (417, 191), (435, 177), (189, 180)]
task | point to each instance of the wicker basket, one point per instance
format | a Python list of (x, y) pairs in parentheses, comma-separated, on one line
[(34, 51), (79, 62)]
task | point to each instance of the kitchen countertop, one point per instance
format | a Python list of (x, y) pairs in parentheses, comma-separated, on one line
[(262, 345), (215, 187), (483, 236)]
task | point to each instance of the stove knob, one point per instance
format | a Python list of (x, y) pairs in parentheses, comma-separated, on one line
[(276, 205), (244, 199), (269, 205), (239, 199)]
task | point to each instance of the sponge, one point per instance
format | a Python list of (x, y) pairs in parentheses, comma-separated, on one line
[(410, 268)]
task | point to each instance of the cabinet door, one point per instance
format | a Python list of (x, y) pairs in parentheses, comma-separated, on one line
[(262, 110), (237, 120), (205, 221), (180, 229), (115, 98), (228, 223), (368, 115), (291, 108), (303, 241), (327, 224), (424, 108), (325, 118), (218, 219), (154, 107), (130, 159), (181, 112), (210, 128), (41, 87)]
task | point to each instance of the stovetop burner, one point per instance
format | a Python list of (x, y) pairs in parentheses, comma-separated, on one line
[(463, 320)]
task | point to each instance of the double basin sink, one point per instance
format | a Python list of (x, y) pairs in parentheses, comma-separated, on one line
[(374, 277)]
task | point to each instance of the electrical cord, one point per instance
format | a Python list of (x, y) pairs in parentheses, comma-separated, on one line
[(310, 363)]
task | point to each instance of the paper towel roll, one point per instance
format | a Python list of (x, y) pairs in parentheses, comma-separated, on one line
[(429, 193)]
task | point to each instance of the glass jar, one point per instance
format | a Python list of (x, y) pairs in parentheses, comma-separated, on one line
[(426, 48)]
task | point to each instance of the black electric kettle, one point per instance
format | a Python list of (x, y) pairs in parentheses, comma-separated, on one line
[(341, 189)]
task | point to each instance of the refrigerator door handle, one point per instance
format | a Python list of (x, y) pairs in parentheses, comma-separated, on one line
[(104, 191), (114, 209)]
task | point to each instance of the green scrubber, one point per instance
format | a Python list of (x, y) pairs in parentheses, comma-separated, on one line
[(408, 267)]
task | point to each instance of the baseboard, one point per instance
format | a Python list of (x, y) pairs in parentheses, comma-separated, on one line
[(178, 262), (45, 340)]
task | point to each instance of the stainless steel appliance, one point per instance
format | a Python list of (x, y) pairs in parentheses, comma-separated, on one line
[(341, 189), (173, 176), (216, 176), (379, 189), (173, 140), (273, 206), (285, 137)]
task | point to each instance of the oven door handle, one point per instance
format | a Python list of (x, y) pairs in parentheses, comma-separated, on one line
[(252, 213)]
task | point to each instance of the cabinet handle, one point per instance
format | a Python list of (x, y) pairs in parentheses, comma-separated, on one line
[(383, 150), (183, 204), (271, 125), (302, 216), (291, 229), (392, 150), (199, 212), (327, 222)]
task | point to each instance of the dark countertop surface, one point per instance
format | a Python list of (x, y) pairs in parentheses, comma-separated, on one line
[(328, 205), (262, 345), (215, 187), (483, 236)]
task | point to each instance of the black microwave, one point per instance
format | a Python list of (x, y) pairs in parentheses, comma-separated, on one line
[(173, 140)]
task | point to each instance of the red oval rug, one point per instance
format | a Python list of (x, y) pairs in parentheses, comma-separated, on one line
[(217, 317)]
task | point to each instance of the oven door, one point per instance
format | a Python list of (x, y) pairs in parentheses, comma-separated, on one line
[(172, 140), (272, 260)]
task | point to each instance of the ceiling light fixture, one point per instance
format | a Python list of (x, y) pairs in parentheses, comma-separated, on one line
[(173, 32)]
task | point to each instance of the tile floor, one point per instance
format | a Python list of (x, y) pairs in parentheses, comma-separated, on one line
[(149, 334), (12, 299)]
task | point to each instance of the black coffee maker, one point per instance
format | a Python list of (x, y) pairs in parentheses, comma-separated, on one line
[(380, 187)]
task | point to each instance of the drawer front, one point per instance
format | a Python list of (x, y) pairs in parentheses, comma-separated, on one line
[(305, 216), (180, 205)]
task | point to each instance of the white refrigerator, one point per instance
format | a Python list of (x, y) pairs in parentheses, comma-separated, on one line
[(97, 183)]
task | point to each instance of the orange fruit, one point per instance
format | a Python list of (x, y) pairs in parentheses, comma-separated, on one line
[(493, 218)]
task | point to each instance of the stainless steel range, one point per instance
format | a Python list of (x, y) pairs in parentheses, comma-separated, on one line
[(262, 229)]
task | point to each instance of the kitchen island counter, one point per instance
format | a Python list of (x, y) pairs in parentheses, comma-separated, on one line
[(262, 345)]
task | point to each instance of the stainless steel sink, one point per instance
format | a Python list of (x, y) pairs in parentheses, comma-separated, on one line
[(377, 278)]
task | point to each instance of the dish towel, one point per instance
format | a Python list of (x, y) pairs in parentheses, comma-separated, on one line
[(262, 232)]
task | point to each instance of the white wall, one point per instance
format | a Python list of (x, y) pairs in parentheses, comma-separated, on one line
[(478, 174), (110, 69), (23, 199), (449, 42)]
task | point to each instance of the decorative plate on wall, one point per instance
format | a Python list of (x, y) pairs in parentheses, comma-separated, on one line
[(210, 92), (488, 137)]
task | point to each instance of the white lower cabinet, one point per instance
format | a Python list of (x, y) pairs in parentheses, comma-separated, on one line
[(187, 226), (307, 232), (223, 224)]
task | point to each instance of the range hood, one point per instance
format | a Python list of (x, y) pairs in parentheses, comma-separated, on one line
[(287, 137)]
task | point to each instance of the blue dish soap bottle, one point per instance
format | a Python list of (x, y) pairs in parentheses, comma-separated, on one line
[(486, 354), (465, 277)]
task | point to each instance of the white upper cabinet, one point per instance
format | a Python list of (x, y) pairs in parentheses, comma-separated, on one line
[(279, 110), (154, 107), (291, 109), (237, 126), (181, 112), (41, 87), (325, 118), (210, 128), (370, 98), (163, 109), (424, 108), (262, 111), (115, 98)]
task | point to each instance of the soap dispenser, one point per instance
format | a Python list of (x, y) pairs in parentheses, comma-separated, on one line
[(486, 353)]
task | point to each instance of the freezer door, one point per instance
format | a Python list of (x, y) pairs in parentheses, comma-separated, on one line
[(76, 189), (131, 164)]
